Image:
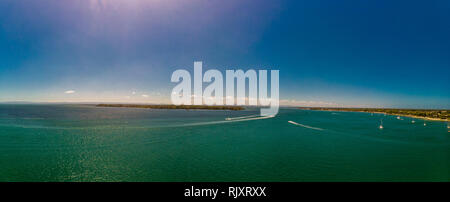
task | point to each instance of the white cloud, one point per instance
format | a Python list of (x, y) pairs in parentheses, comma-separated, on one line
[(69, 92), (144, 95), (134, 92)]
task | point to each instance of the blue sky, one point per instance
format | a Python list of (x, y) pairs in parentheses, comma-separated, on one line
[(329, 53)]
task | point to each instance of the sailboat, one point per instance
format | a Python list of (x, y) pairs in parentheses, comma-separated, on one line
[(381, 125), (424, 124)]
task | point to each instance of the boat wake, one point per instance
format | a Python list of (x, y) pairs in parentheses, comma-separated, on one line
[(241, 117), (230, 120), (305, 126), (121, 127)]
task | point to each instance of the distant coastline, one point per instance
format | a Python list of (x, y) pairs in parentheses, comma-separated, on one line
[(426, 114), (187, 107)]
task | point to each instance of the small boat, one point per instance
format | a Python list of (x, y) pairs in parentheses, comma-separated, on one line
[(424, 124), (413, 121), (398, 117), (381, 125)]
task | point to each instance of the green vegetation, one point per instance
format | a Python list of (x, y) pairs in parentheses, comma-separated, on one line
[(430, 114), (187, 107)]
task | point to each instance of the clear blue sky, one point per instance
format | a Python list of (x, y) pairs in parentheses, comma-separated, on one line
[(381, 53)]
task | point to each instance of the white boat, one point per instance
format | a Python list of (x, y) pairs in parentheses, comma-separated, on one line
[(398, 117), (381, 125), (413, 121)]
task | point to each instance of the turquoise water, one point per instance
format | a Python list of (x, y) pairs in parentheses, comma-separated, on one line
[(86, 143)]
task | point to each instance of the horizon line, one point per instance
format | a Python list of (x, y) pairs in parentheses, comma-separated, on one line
[(143, 103)]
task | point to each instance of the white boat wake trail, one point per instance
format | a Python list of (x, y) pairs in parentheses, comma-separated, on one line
[(241, 117), (229, 120), (305, 126)]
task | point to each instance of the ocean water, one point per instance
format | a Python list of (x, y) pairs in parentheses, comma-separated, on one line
[(88, 143)]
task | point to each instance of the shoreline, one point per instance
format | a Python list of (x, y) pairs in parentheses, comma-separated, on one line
[(413, 116), (385, 111), (186, 107)]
